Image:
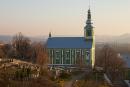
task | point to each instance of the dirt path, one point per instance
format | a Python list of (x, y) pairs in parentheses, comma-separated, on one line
[(74, 78)]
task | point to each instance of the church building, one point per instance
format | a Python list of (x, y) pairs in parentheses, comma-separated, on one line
[(71, 51)]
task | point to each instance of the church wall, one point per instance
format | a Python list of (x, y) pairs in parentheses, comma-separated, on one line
[(69, 56)]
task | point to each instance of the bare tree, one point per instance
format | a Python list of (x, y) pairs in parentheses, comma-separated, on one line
[(41, 57), (1, 53), (21, 45), (110, 61), (80, 61), (40, 53), (6, 48)]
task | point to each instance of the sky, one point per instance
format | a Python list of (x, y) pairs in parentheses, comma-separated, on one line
[(63, 17)]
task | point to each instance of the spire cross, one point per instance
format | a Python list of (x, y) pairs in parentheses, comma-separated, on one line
[(89, 4)]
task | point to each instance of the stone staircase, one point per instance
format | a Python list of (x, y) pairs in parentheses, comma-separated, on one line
[(116, 83), (119, 83)]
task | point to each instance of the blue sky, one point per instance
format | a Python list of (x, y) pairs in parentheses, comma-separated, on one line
[(63, 17)]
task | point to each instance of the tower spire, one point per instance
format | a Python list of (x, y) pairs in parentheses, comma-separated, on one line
[(88, 29), (89, 14), (88, 22), (89, 4)]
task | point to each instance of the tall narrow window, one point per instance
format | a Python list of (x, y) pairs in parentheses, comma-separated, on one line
[(87, 55), (67, 57), (57, 57)]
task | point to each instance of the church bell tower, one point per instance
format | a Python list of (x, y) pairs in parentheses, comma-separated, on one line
[(89, 35), (88, 29)]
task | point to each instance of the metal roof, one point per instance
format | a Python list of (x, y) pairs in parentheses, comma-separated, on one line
[(69, 42)]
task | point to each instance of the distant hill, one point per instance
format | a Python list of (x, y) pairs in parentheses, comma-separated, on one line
[(38, 39), (7, 39), (125, 38)]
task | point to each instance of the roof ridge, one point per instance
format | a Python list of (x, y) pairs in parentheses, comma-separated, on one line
[(67, 37)]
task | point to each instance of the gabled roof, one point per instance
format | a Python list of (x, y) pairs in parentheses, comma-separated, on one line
[(69, 42)]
